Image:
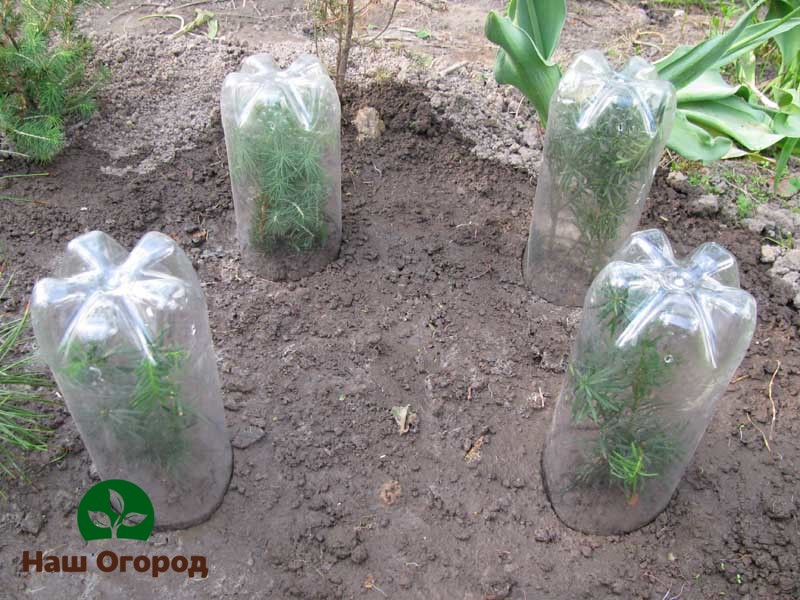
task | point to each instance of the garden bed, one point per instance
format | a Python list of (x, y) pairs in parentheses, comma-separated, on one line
[(424, 306)]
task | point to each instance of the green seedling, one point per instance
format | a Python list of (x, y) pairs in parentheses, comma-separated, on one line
[(137, 403), (595, 168), (744, 206), (282, 161), (616, 389)]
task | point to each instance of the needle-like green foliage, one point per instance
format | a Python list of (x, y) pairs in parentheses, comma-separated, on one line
[(617, 307), (21, 426), (616, 389), (282, 161), (43, 76), (136, 401), (597, 169)]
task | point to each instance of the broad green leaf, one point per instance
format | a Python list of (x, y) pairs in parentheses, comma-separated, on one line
[(542, 20), (520, 63), (694, 142), (709, 86), (788, 42), (746, 68), (681, 68), (788, 100), (744, 123), (786, 124)]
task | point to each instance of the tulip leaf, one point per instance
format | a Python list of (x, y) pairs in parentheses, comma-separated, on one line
[(684, 65), (695, 143), (527, 38), (788, 42), (542, 20), (783, 160), (744, 123), (709, 86)]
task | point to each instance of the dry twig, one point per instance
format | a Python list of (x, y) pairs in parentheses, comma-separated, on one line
[(771, 400), (761, 431)]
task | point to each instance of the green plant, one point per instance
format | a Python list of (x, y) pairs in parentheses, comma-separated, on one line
[(616, 390), (714, 119), (282, 160), (744, 206), (701, 4), (21, 425), (784, 240), (597, 196), (43, 75), (137, 403)]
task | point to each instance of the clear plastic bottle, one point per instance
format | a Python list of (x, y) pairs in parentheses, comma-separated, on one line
[(605, 135), (282, 132), (128, 341), (659, 341)]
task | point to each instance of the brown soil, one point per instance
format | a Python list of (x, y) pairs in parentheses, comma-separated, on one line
[(424, 306)]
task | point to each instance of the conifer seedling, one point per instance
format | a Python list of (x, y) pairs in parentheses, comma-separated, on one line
[(44, 80), (660, 339), (606, 132), (616, 390), (597, 170), (282, 161), (141, 406)]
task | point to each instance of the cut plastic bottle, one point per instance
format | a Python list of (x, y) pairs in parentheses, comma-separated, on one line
[(127, 338), (605, 135), (282, 132), (659, 341)]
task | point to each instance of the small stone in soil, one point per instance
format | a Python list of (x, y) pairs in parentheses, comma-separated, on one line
[(769, 253), (359, 555), (705, 205), (545, 535), (32, 523), (247, 436)]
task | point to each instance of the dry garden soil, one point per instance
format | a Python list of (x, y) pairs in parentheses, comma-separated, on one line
[(425, 307)]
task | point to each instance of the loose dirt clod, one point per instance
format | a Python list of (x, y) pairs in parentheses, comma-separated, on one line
[(474, 452), (390, 492)]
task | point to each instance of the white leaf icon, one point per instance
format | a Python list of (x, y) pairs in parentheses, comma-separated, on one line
[(117, 505), (132, 519), (100, 519)]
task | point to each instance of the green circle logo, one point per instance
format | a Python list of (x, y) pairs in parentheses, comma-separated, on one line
[(115, 509)]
